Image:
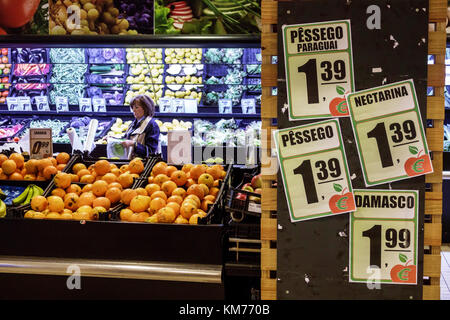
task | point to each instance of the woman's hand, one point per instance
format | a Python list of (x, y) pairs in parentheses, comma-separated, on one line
[(128, 143)]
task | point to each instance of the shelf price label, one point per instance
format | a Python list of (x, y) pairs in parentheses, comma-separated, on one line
[(62, 104), (225, 106), (383, 237), (178, 105), (42, 103), (314, 169), (41, 144), (13, 104), (25, 103), (190, 106), (248, 106), (99, 104), (85, 104), (319, 69), (389, 133), (165, 105)]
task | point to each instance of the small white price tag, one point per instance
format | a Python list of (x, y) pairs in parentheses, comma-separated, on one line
[(25, 103), (41, 144), (62, 104), (42, 103), (178, 105), (165, 105), (225, 106), (248, 106), (13, 104), (99, 104), (190, 106), (85, 104)]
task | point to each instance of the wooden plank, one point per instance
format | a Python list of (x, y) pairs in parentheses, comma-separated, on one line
[(268, 289), (436, 75), (432, 265), (269, 75), (269, 107), (436, 176), (434, 107), (437, 42), (432, 234), (433, 207), (269, 45), (269, 12), (268, 259), (269, 199), (435, 137), (433, 195), (437, 10), (268, 229), (432, 292)]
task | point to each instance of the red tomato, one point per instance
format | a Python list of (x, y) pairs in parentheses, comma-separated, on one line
[(5, 93), (5, 59), (5, 80), (4, 51), (16, 13)]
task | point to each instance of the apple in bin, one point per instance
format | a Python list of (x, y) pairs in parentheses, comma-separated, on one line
[(343, 202), (419, 164), (338, 106), (406, 273), (256, 181), (256, 198)]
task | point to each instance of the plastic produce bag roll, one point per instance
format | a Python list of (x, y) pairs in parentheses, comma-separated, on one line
[(74, 139), (89, 144)]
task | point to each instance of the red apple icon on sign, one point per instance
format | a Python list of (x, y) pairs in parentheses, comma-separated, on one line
[(343, 202), (415, 166), (338, 106), (404, 273)]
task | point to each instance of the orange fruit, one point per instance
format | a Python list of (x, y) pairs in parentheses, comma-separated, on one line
[(86, 199), (139, 203), (201, 213), (194, 218), (74, 177), (39, 203), (53, 215), (49, 172), (176, 199), (125, 214), (181, 220), (187, 210), (161, 178), (197, 190), (44, 163), (113, 194), (175, 206), (179, 177), (62, 158), (87, 178), (159, 168), (66, 216), (83, 213), (86, 188), (83, 172), (3, 176), (3, 158), (152, 219), (123, 168), (197, 170), (217, 182), (71, 201), (141, 216), (9, 166), (189, 182), (16, 176), (109, 177), (77, 167), (209, 197), (96, 211), (127, 195), (29, 176), (152, 187), (195, 198), (205, 188), (116, 171), (60, 166), (115, 185), (168, 187), (101, 202), (18, 159), (99, 188), (102, 167), (63, 180), (214, 191), (60, 192), (179, 192), (166, 215), (206, 179), (170, 170), (187, 167), (53, 160), (31, 166), (74, 188), (141, 191), (156, 204), (215, 172), (136, 166), (159, 194), (125, 179), (205, 205)]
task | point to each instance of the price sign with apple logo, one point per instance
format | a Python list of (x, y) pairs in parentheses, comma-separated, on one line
[(314, 170), (389, 133), (383, 237), (319, 69)]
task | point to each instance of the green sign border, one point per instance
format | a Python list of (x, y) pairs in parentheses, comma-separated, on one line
[(283, 173), (416, 232), (357, 136), (287, 56)]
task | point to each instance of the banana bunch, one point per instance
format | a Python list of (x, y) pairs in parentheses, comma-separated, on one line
[(25, 197), (2, 209)]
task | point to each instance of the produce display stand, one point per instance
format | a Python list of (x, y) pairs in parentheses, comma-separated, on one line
[(276, 283)]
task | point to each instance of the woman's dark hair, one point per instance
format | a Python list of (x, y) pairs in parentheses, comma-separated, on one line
[(145, 102)]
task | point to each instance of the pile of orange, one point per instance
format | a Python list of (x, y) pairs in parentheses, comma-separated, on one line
[(103, 188), (174, 195), (15, 167)]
